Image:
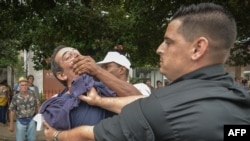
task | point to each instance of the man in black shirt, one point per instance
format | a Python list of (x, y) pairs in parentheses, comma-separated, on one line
[(201, 98)]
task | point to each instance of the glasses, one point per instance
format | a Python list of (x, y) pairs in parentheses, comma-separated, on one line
[(69, 55)]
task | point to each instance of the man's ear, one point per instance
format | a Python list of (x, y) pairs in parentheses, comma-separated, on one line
[(199, 48), (61, 76), (122, 70)]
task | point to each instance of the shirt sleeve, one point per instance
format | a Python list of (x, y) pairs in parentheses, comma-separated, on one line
[(130, 125), (12, 106)]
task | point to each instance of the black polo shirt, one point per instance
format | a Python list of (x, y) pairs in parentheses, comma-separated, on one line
[(195, 107)]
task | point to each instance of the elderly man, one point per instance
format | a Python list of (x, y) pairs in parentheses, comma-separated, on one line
[(202, 96), (65, 111), (23, 107)]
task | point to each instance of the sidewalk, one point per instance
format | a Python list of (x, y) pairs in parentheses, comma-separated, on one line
[(6, 135)]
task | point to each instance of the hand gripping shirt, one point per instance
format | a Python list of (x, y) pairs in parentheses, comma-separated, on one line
[(194, 107), (67, 111)]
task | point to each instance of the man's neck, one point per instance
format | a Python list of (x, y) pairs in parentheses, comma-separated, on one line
[(24, 93)]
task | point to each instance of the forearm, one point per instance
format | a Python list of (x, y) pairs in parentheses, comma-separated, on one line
[(81, 133), (115, 104), (121, 88), (12, 116)]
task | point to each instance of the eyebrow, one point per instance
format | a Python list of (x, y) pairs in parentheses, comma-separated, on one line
[(24, 84), (65, 53), (168, 39)]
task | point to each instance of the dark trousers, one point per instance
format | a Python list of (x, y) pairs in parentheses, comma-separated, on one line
[(3, 114)]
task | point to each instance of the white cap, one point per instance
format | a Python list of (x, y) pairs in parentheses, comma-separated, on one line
[(143, 88), (116, 58)]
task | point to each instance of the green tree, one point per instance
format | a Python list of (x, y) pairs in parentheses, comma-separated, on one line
[(96, 26)]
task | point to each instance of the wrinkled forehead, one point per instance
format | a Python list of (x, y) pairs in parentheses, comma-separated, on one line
[(62, 51), (23, 83)]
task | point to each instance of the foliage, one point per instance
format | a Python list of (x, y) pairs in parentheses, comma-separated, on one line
[(240, 54), (96, 26), (8, 54)]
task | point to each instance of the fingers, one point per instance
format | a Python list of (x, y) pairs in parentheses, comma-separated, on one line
[(46, 125), (48, 131), (84, 64), (82, 60), (92, 90), (84, 98), (91, 97), (80, 65), (77, 63), (81, 69)]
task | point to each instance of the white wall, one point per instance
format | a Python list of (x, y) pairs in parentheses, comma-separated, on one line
[(38, 75)]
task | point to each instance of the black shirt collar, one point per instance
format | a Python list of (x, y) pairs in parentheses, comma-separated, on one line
[(206, 73)]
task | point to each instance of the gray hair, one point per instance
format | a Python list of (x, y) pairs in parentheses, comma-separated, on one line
[(55, 66)]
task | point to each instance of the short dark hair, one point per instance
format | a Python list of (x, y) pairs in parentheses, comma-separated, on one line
[(29, 76), (221, 29), (158, 81), (55, 66), (147, 79)]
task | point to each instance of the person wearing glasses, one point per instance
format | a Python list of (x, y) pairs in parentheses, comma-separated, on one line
[(201, 98)]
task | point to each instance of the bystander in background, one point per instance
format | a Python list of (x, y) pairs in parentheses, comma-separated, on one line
[(158, 84), (23, 107), (4, 99), (32, 86), (148, 83)]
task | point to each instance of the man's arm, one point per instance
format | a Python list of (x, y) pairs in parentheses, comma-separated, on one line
[(114, 104), (12, 116), (81, 133), (85, 64), (122, 88)]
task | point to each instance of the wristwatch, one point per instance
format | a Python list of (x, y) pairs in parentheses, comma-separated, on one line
[(55, 135)]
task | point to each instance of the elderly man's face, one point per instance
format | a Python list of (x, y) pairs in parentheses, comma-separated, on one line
[(23, 86), (64, 58)]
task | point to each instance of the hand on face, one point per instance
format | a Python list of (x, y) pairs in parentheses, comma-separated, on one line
[(85, 64)]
